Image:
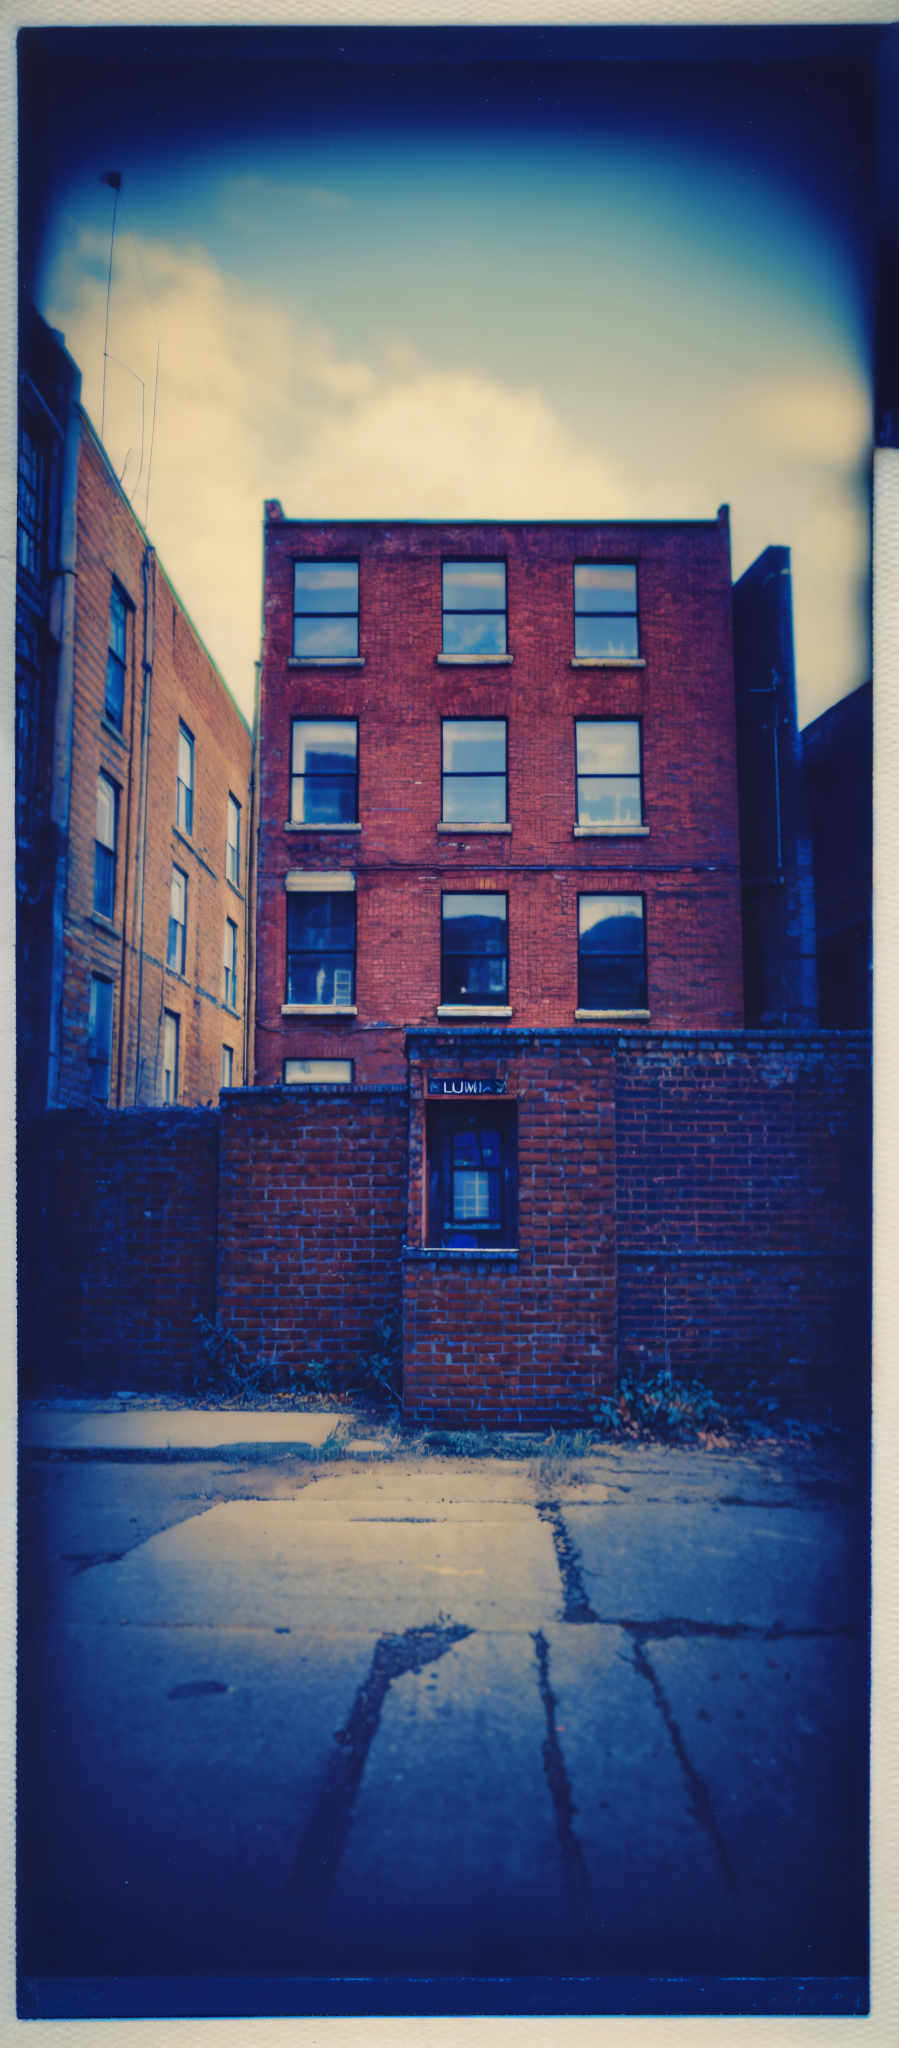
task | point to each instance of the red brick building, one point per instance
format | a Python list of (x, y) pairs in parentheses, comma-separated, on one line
[(136, 826), (497, 784)]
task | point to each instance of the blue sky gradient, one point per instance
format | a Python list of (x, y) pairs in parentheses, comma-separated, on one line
[(471, 273)]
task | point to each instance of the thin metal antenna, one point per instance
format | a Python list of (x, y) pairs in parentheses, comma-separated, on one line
[(114, 179), (152, 436)]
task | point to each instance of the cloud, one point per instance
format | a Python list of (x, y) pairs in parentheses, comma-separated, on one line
[(255, 403), (821, 417)]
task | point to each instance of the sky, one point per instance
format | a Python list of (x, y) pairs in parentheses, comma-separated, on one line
[(454, 273)]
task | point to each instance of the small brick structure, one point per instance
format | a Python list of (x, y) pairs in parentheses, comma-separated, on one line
[(695, 1201), (524, 1335)]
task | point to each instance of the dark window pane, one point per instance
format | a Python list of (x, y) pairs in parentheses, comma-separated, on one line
[(318, 918), (481, 799), (474, 586), (617, 983), (115, 688), (471, 1177), (104, 880), (474, 633), (118, 625), (325, 637), (326, 980), (605, 635), (326, 587), (473, 978), (323, 803)]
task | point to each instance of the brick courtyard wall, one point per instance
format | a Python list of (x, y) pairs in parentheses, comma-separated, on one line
[(744, 1206), (116, 1246), (311, 1206), (507, 1338), (691, 1201)]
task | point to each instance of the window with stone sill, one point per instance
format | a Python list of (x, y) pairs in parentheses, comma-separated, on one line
[(605, 610), (474, 608), (325, 610), (611, 953), (472, 1176)]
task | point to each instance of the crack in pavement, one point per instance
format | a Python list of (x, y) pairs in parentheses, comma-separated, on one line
[(325, 1833), (726, 1631), (700, 1797), (560, 1790), (568, 1558)]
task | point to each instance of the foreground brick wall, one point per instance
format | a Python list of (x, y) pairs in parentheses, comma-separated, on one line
[(311, 1206), (699, 1201), (117, 1246), (744, 1206)]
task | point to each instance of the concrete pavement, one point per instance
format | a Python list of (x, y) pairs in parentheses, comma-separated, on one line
[(437, 1718)]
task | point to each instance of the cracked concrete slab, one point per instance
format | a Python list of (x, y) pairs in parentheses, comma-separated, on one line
[(453, 1860), (177, 1817), (797, 1568), (778, 1732), (634, 1812), (248, 1561), (173, 1428)]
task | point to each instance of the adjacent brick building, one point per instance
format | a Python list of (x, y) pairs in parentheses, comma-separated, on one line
[(134, 781), (837, 751), (779, 949), (497, 782)]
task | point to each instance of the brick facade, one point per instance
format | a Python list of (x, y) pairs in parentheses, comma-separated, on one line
[(697, 1200), (684, 859), (169, 680), (109, 721)]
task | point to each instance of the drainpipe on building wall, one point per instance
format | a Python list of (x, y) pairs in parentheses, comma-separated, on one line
[(62, 626), (124, 976), (148, 576), (249, 1074)]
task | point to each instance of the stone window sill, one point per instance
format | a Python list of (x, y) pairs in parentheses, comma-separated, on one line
[(611, 832), (105, 924), (319, 1010), (473, 1010), (460, 831), (292, 826), (474, 660), (326, 661), (115, 732), (608, 661), (430, 1254), (610, 1016)]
